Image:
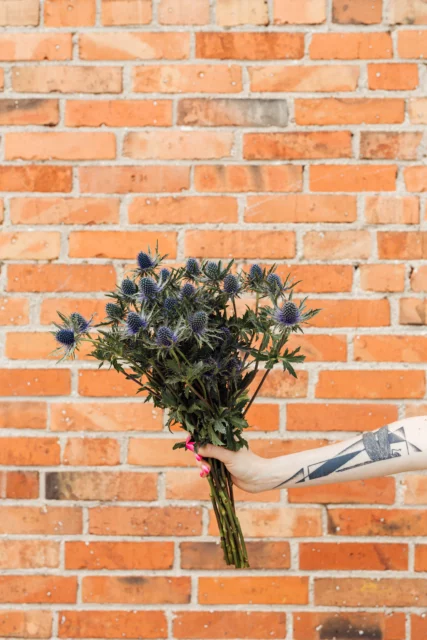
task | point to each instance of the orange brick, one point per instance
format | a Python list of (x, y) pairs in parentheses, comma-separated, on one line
[(301, 208), (371, 384), (29, 554), (296, 145), (263, 417), (119, 555), (34, 382), (337, 245), (29, 245), (418, 626), (60, 146), (87, 485), (338, 417), (67, 79), (22, 14), (91, 451), (415, 178), (320, 347), (240, 244), (351, 46), (420, 557), (388, 146), (414, 310), (417, 108), (326, 111), (241, 178), (414, 488), (412, 44), (214, 624), (60, 13), (61, 277), (249, 46), (194, 78), (182, 210), (415, 410), (299, 11), (382, 277), (23, 415), (370, 491), (353, 177), (304, 78), (27, 624), (42, 178), (390, 348), (232, 112), (85, 211), (392, 210), (232, 13), (118, 113), (357, 11), (115, 416), (115, 179), (35, 46), (29, 111), (38, 589), (125, 12), (390, 626), (134, 590), (418, 279), (157, 452), (265, 590), (408, 12), (392, 77), (279, 384), (279, 522), (178, 145), (29, 451), (118, 244), (402, 245), (145, 521), (40, 520), (319, 277), (365, 592), (89, 623), (126, 45), (350, 313), (183, 12), (105, 383), (208, 555), (349, 556), (14, 311), (20, 485), (376, 522)]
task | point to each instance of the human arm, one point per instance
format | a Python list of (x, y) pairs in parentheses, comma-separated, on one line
[(394, 448)]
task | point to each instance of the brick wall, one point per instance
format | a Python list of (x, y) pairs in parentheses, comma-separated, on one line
[(278, 130)]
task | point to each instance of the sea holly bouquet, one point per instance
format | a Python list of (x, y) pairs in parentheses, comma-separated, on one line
[(176, 333)]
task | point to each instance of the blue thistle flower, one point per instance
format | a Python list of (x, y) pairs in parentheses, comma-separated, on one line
[(113, 311), (81, 322), (193, 267), (66, 338), (212, 270), (231, 284), (135, 322), (234, 364), (148, 288), (288, 314), (129, 288), (255, 272), (187, 290), (198, 322), (170, 304), (145, 261), (165, 337), (226, 337), (164, 274), (274, 280)]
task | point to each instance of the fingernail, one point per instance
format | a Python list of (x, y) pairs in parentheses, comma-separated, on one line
[(189, 444), (198, 458), (205, 469)]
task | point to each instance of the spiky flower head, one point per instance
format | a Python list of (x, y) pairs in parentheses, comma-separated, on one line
[(212, 270), (129, 288), (148, 288), (231, 284), (165, 337), (113, 311), (66, 338), (226, 334), (274, 281), (255, 272), (192, 267), (198, 322), (288, 315), (187, 290), (170, 304), (145, 261), (234, 364), (134, 323), (80, 322), (164, 274)]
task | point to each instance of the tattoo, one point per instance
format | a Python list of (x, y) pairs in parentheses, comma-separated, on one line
[(382, 444)]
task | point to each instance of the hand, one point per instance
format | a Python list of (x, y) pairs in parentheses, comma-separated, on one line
[(248, 470)]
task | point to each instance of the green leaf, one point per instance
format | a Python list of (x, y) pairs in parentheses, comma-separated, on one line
[(178, 445)]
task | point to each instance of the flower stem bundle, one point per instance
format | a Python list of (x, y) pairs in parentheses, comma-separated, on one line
[(177, 334)]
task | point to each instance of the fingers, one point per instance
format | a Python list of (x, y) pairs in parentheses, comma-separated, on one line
[(220, 453), (201, 463)]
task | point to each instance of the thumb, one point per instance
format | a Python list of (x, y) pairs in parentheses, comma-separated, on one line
[(212, 451)]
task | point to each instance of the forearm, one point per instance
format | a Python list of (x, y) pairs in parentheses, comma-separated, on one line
[(395, 448)]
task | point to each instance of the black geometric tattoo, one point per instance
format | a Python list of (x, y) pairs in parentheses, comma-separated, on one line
[(371, 447)]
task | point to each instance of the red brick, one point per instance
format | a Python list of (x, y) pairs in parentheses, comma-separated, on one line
[(402, 245), (412, 44), (349, 556), (357, 11), (14, 311), (206, 556), (126, 45), (371, 384), (281, 522), (61, 277), (35, 46), (21, 451), (390, 348), (338, 417), (105, 383), (205, 625), (42, 178), (117, 113), (417, 108), (390, 626), (38, 589), (119, 555), (156, 452), (92, 451), (118, 244), (370, 491), (60, 146), (240, 244), (127, 179), (337, 245), (231, 13), (250, 590), (29, 111), (388, 146), (41, 520), (296, 145), (349, 111), (29, 554), (382, 277), (415, 178), (60, 13), (105, 624), (228, 112), (182, 210), (23, 415), (392, 77), (183, 12), (350, 313), (249, 46), (26, 13), (304, 78), (377, 522), (116, 416), (299, 11), (365, 592), (420, 557), (194, 78), (85, 306), (301, 208), (29, 246), (96, 485), (136, 590), (34, 382), (281, 385), (418, 626), (67, 79), (351, 46), (145, 521), (178, 145), (20, 485), (241, 178), (125, 12), (26, 624), (353, 177), (85, 211), (319, 277), (392, 210)]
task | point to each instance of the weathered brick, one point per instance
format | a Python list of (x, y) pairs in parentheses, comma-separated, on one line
[(91, 624), (240, 244), (124, 179), (299, 11), (250, 45), (232, 112), (183, 210), (407, 12), (136, 590), (304, 78), (41, 178), (20, 485), (117, 113), (357, 11), (415, 178), (146, 521), (40, 520), (254, 590), (125, 45), (19, 14), (62, 13), (296, 145), (119, 555), (389, 626), (392, 210), (116, 416), (35, 46), (26, 623), (280, 522), (205, 625), (118, 244), (34, 382), (389, 146), (29, 111), (85, 211), (369, 491), (338, 417), (29, 554), (392, 77), (91, 452), (125, 12), (208, 555), (183, 12), (231, 13), (178, 145), (351, 46), (61, 277), (337, 245), (348, 556), (371, 384), (38, 589), (417, 108), (366, 592), (240, 178), (71, 79), (301, 208), (60, 146), (86, 485), (382, 277), (187, 79)]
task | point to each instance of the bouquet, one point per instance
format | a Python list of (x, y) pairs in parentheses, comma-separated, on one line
[(176, 333)]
